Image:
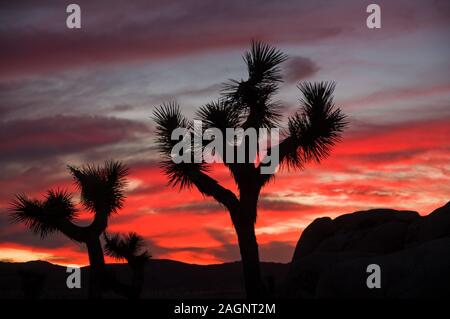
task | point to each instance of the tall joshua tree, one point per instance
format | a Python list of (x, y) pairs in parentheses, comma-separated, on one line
[(102, 193), (310, 134)]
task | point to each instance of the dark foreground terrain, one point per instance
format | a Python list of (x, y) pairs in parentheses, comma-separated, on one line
[(330, 261), (163, 279)]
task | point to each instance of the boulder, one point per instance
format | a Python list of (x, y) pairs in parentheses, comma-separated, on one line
[(417, 272), (332, 256)]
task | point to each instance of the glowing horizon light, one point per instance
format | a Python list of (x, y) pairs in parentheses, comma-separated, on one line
[(22, 255)]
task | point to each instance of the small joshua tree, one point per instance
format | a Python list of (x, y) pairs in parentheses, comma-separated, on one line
[(245, 104), (102, 193), (129, 247)]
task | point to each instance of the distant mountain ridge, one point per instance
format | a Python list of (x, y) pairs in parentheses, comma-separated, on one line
[(163, 279)]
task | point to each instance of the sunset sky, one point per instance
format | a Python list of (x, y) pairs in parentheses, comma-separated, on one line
[(86, 96)]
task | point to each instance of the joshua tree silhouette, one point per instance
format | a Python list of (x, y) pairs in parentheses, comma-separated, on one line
[(130, 247), (102, 193), (310, 134)]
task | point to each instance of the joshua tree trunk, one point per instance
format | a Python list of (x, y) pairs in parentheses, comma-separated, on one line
[(248, 246), (97, 267), (137, 282), (250, 260)]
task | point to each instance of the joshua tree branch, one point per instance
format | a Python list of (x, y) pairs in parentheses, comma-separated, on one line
[(74, 232), (210, 187), (286, 147), (99, 223)]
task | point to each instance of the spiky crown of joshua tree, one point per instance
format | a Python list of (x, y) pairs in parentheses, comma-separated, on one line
[(309, 135)]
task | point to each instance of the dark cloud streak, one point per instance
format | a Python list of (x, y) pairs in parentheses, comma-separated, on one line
[(26, 140)]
